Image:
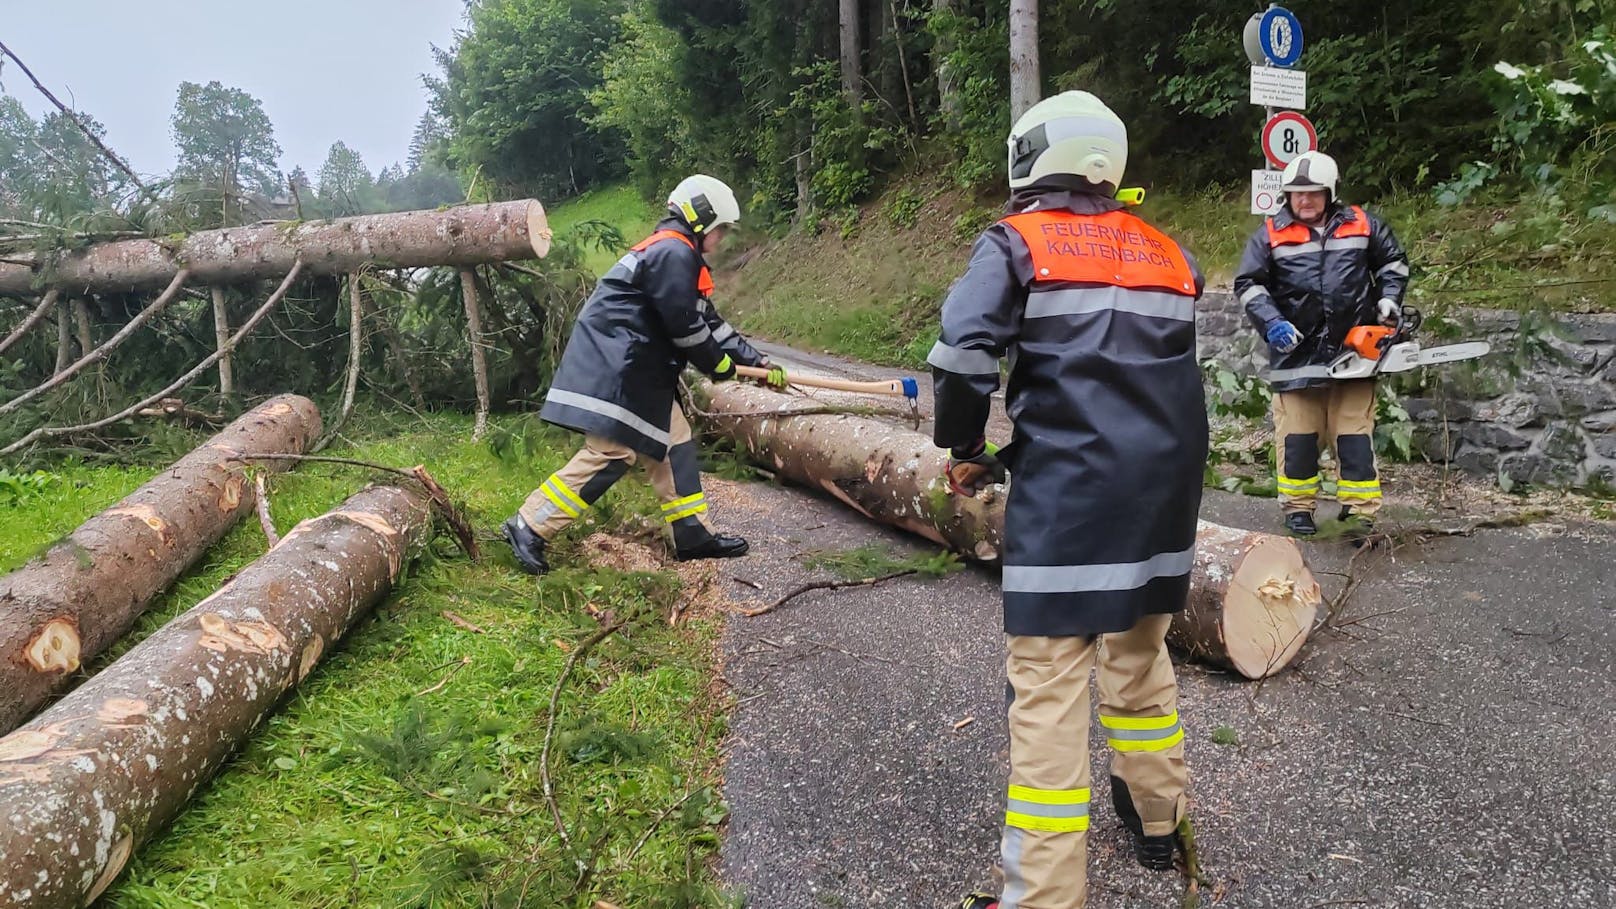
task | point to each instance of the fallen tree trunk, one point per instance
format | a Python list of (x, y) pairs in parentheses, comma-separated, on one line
[(66, 606), (1252, 600), (463, 235), (92, 778)]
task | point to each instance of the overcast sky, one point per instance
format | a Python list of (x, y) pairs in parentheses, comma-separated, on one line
[(324, 69)]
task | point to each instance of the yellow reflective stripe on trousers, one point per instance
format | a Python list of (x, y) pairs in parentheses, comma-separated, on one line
[(1142, 733), (1048, 810), (557, 492), (1357, 489), (677, 504), (691, 511), (1298, 487)]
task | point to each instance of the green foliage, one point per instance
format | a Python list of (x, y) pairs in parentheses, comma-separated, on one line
[(1557, 121), (346, 185), (374, 784), (903, 208), (514, 95), (873, 561), (1225, 735), (1394, 429), (1234, 395), (225, 143), (16, 488), (643, 99)]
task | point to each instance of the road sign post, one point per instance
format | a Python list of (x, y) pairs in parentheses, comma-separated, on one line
[(1273, 43)]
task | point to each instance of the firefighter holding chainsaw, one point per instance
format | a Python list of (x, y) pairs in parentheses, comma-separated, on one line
[(1312, 274), (1095, 310), (650, 316)]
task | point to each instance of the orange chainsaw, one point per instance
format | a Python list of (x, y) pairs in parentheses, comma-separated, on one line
[(1374, 349)]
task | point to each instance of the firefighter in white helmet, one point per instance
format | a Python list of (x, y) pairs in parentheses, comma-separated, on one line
[(1312, 272), (1107, 460), (650, 316)]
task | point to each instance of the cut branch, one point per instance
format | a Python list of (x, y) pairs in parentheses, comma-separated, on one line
[(34, 318), (64, 337), (825, 585), (181, 382), (129, 746), (264, 520), (74, 117), (479, 359), (221, 336), (356, 341), (99, 354), (68, 605)]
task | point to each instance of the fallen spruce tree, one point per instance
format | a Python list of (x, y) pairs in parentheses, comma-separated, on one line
[(1252, 602), (90, 779), (463, 235), (66, 606)]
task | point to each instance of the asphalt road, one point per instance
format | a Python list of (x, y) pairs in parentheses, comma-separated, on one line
[(1446, 741)]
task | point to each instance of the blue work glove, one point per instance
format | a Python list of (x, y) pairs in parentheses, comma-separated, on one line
[(1282, 336), (972, 467)]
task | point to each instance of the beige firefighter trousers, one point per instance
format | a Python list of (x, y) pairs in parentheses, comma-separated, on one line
[(1044, 852), (566, 494), (1342, 416)]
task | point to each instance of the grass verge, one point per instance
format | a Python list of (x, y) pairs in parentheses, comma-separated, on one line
[(405, 770)]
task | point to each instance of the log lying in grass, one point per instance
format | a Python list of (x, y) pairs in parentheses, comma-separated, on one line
[(1252, 600), (462, 235), (66, 606), (90, 779)]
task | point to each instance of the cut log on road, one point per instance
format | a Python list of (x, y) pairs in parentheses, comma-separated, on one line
[(66, 606), (97, 774), (463, 235), (1252, 598)]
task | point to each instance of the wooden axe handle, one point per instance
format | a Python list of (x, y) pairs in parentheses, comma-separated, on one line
[(903, 388)]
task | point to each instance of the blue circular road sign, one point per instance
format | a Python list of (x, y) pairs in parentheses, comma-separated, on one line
[(1281, 36)]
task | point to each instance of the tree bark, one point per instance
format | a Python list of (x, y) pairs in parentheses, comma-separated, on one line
[(852, 70), (92, 778), (65, 607), (479, 357), (64, 336), (33, 318), (948, 94), (1252, 601), (463, 235), (1026, 82), (356, 350), (221, 336)]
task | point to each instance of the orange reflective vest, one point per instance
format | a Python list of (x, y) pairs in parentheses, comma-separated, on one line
[(704, 281), (1115, 248), (1297, 232)]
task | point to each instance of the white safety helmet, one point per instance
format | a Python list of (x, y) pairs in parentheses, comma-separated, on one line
[(1311, 172), (704, 203), (1072, 134)]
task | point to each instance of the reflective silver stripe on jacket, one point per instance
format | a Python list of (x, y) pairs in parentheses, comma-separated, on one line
[(1297, 249), (608, 409), (1094, 578), (1347, 243), (961, 361), (1393, 268), (1299, 372), (724, 333), (1253, 292), (1074, 302), (694, 340), (629, 262)]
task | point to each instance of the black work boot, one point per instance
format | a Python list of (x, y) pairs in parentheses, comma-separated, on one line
[(527, 546), (1154, 853), (717, 546), (979, 901), (1360, 528), (1300, 524)]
